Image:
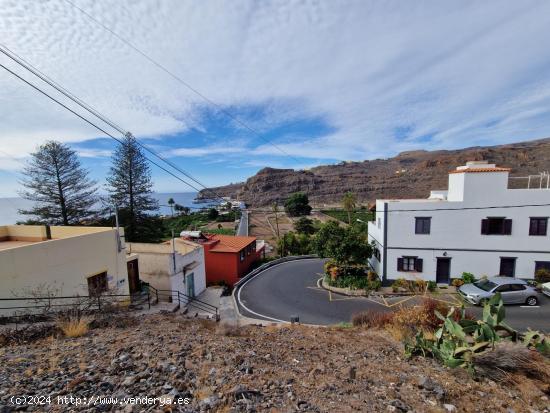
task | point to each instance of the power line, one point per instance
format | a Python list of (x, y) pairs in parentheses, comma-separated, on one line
[(180, 80), (91, 123), (104, 131), (28, 66)]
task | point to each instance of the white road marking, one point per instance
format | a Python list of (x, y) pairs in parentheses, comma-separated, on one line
[(247, 281), (529, 306)]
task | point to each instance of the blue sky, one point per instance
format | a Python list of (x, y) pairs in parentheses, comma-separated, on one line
[(320, 82)]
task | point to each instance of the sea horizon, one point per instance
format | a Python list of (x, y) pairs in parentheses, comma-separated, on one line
[(10, 206)]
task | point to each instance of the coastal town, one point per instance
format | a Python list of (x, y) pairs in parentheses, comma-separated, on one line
[(252, 246)]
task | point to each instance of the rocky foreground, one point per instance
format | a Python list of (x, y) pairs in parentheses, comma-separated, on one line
[(249, 369)]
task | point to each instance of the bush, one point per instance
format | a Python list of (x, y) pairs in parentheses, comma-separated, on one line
[(459, 341), (432, 286), (411, 286), (542, 276), (457, 282), (468, 278), (372, 319), (74, 326)]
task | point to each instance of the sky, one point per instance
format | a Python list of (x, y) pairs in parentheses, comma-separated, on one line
[(305, 82)]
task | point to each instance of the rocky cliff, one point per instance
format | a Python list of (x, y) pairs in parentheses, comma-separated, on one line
[(408, 175)]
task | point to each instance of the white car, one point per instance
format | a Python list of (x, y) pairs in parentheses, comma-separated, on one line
[(546, 289)]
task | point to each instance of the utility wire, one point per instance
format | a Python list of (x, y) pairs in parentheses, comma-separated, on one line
[(28, 66), (17, 59), (180, 80), (92, 124)]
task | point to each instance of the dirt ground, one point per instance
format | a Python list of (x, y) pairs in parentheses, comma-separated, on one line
[(248, 369)]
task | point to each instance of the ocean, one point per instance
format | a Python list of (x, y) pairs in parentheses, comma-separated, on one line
[(9, 206)]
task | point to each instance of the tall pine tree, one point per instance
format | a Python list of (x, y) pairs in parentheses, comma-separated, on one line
[(130, 188), (59, 186)]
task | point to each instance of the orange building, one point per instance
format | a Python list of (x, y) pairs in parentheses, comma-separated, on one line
[(227, 258)]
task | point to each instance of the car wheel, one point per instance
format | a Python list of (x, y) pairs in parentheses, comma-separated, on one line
[(531, 301)]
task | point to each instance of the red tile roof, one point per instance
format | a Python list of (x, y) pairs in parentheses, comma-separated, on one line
[(230, 243), (469, 170)]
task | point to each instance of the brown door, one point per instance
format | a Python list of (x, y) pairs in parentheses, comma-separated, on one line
[(133, 276)]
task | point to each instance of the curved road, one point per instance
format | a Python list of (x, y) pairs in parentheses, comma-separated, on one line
[(290, 289)]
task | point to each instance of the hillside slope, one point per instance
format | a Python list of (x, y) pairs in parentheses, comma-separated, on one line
[(408, 175)]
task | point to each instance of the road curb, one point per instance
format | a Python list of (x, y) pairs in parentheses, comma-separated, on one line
[(253, 274)]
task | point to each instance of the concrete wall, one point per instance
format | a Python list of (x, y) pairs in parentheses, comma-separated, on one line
[(156, 265), (63, 264)]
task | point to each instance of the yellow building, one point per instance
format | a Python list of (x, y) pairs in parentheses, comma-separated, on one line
[(68, 260)]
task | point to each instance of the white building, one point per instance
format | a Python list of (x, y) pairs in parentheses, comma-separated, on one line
[(176, 265), (40, 261), (478, 225)]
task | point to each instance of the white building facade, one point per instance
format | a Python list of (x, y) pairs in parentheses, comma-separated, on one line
[(478, 225), (176, 265)]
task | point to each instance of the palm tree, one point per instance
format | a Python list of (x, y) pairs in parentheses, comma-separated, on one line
[(349, 204), (171, 202)]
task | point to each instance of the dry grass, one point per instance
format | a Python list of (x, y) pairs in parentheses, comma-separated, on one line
[(229, 330), (74, 326)]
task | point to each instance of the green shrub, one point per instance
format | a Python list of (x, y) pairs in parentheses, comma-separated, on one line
[(432, 286), (468, 278), (460, 339)]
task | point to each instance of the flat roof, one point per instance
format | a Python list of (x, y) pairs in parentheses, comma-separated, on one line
[(6, 245)]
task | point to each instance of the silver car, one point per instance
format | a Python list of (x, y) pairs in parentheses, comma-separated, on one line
[(512, 290)]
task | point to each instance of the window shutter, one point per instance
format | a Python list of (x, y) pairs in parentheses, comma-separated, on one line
[(400, 264), (418, 264), (507, 227), (485, 226)]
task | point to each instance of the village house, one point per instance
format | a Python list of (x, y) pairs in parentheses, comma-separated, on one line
[(176, 265), (227, 257), (479, 225), (64, 261)]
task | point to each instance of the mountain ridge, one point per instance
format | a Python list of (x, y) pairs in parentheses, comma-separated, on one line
[(409, 174)]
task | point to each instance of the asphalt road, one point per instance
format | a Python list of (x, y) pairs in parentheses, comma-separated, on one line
[(290, 289), (243, 224)]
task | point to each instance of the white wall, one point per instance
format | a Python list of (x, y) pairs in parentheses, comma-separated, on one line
[(63, 264), (460, 229)]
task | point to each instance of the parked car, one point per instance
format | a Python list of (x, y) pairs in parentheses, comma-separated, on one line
[(512, 291), (546, 289)]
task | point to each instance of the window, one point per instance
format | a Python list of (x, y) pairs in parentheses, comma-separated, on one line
[(507, 266), (422, 225), (97, 284), (538, 226), (242, 255), (504, 288), (517, 287), (496, 226), (377, 254), (409, 264)]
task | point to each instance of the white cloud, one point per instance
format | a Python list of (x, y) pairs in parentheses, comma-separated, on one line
[(443, 69)]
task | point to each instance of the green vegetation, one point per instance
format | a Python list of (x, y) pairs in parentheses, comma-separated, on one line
[(297, 205), (341, 215), (542, 276), (197, 221), (293, 243), (60, 187), (130, 187), (349, 204), (306, 226), (348, 246), (459, 339)]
